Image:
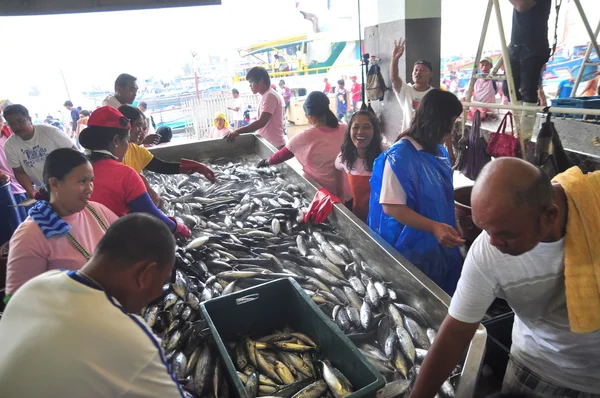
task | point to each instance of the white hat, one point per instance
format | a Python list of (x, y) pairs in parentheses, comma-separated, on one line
[(488, 59)]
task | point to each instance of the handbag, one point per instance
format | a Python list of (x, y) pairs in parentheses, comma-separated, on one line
[(474, 154), (549, 152), (502, 144)]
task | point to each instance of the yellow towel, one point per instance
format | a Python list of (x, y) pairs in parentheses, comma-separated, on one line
[(582, 249)]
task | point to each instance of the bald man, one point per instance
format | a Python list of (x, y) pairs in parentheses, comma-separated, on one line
[(518, 257)]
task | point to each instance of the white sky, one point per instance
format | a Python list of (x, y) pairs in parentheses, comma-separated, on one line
[(92, 49)]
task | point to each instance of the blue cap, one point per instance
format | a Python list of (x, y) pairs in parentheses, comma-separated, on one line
[(317, 103)]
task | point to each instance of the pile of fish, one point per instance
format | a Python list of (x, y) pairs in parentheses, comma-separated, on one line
[(286, 364), (247, 229)]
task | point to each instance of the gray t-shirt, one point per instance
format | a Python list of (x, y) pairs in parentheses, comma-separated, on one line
[(533, 284)]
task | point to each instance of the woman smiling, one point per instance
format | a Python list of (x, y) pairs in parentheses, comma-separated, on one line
[(63, 231), (362, 145)]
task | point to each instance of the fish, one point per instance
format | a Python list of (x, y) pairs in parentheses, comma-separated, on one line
[(419, 336), (313, 390), (338, 384)]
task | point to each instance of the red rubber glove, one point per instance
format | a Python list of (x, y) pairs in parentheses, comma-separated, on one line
[(190, 167), (321, 206), (181, 230)]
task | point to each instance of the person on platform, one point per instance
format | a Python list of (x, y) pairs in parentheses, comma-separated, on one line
[(317, 147), (538, 252), (343, 100), (355, 93), (565, 88), (17, 190), (485, 90), (27, 148), (220, 126), (529, 51), (126, 89), (63, 228), (286, 93), (409, 95), (412, 196), (74, 112), (270, 110), (150, 124), (165, 133), (236, 110), (117, 186), (77, 333), (362, 145), (327, 89)]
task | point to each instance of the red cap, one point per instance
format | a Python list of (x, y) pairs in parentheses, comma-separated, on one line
[(107, 116), (353, 77)]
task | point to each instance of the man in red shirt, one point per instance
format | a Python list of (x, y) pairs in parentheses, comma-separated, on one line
[(355, 92), (327, 88)]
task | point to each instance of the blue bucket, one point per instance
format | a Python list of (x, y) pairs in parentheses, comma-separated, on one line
[(9, 214)]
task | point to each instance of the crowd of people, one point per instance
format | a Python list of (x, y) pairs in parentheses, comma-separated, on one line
[(97, 238)]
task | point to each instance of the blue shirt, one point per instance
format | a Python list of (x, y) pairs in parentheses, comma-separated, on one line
[(565, 88)]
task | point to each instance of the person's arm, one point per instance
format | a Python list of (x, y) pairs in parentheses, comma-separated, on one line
[(444, 233), (160, 166), (254, 126), (450, 149), (280, 156), (452, 339), (153, 195), (396, 54), (24, 180), (523, 5), (144, 204)]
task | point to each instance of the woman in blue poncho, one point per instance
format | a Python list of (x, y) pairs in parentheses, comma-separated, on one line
[(412, 196)]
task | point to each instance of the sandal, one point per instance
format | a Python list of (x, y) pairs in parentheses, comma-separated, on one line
[(596, 141)]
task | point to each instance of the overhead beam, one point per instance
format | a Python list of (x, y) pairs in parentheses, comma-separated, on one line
[(44, 7)]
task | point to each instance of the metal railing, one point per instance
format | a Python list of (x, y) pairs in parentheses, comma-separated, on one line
[(200, 113)]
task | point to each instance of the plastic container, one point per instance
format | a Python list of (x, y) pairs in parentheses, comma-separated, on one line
[(578, 102), (464, 218), (259, 310)]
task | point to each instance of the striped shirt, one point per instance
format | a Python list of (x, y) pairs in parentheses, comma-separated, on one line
[(533, 284)]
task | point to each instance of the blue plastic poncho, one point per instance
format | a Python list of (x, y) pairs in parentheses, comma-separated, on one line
[(427, 182)]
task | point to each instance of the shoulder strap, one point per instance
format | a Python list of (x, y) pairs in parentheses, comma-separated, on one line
[(79, 248), (97, 217)]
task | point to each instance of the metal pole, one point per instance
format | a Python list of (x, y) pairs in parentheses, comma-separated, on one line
[(362, 73), (512, 92), (588, 28), (65, 83), (588, 52), (486, 22)]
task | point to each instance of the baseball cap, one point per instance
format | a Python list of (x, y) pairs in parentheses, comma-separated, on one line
[(424, 62), (317, 103), (101, 125), (486, 59)]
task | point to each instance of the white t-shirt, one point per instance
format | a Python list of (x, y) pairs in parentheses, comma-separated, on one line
[(31, 155), (533, 284), (112, 101), (409, 100), (63, 338), (239, 114), (392, 192)]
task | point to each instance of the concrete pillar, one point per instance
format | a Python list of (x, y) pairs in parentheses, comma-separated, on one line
[(419, 22)]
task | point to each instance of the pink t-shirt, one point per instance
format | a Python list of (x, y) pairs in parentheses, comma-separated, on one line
[(484, 91), (271, 102), (216, 133), (392, 192), (316, 149), (31, 253), (6, 169)]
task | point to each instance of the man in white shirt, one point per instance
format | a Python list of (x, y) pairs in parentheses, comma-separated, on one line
[(74, 333), (520, 258), (27, 148), (126, 89), (237, 113)]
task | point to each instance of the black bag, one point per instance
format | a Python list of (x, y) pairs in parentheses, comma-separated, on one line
[(376, 87), (472, 150), (549, 152)]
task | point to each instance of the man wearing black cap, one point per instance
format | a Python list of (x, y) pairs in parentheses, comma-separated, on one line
[(409, 96)]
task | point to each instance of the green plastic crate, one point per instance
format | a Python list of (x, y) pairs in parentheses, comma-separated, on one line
[(261, 309)]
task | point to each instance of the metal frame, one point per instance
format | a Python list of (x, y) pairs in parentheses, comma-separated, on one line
[(588, 52), (507, 68)]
